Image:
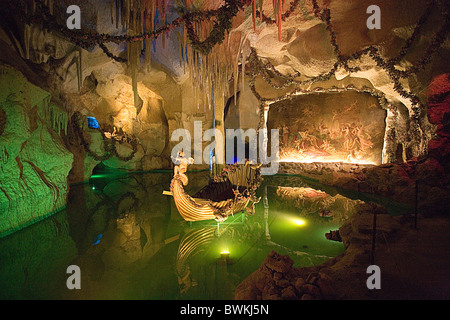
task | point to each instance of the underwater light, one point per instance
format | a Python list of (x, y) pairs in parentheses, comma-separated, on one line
[(299, 222)]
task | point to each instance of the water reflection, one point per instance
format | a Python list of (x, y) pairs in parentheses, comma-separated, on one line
[(131, 243)]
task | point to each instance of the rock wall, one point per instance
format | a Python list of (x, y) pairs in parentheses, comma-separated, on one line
[(34, 164)]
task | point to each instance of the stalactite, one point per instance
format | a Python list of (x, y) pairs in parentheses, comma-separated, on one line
[(136, 16), (277, 11), (260, 8), (163, 21), (52, 115), (44, 108), (244, 57), (127, 14), (148, 26), (4, 156), (118, 8), (236, 76), (254, 14), (58, 118), (111, 10), (50, 6)]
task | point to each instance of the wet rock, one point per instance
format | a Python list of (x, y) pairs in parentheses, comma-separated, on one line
[(270, 292), (283, 283), (277, 276), (312, 278)]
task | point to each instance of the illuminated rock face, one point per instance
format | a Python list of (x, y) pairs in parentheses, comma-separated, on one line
[(34, 164)]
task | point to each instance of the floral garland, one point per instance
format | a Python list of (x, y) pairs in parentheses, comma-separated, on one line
[(224, 22)]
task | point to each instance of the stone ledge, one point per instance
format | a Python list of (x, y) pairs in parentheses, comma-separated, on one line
[(321, 168)]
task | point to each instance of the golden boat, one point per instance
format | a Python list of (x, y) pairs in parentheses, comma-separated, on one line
[(228, 193)]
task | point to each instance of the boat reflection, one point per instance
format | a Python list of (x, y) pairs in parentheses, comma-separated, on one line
[(130, 242)]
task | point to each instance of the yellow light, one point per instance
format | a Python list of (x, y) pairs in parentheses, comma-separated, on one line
[(299, 222), (225, 252)]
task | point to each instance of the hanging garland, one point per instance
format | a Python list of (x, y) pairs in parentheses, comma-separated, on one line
[(294, 4), (223, 16), (224, 21), (259, 68), (416, 32)]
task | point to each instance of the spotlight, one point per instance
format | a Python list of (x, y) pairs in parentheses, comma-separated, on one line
[(225, 258)]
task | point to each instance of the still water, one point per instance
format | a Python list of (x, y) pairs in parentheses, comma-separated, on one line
[(131, 243)]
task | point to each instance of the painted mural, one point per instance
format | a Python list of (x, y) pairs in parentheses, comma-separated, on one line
[(353, 133)]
